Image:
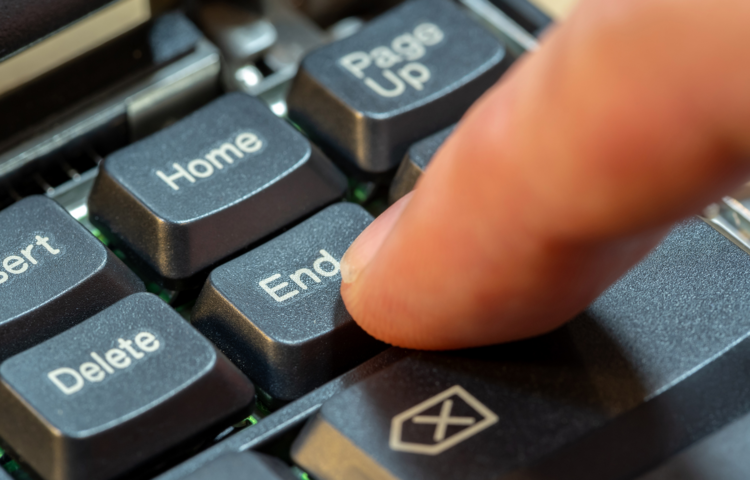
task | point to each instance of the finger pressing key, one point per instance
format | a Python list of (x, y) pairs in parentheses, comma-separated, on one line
[(277, 312)]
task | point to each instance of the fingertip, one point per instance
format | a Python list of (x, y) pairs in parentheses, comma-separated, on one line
[(366, 246), (355, 261)]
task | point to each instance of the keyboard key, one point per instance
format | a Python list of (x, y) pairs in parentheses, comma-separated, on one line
[(39, 35), (199, 191), (277, 313), (111, 393), (53, 274), (404, 76), (415, 163), (248, 465), (651, 367), (27, 25), (239, 31), (107, 98)]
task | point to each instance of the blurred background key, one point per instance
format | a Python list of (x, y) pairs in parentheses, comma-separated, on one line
[(415, 163), (39, 35)]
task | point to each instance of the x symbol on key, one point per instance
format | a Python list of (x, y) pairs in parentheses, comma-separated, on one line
[(442, 421)]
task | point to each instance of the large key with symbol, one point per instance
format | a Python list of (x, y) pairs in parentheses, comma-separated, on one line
[(622, 387), (208, 186), (406, 75)]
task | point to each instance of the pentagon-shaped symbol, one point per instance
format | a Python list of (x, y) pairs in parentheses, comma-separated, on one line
[(442, 421)]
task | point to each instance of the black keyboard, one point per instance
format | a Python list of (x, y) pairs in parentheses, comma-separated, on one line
[(176, 196)]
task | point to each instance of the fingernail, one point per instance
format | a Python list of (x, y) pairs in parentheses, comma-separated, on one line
[(364, 248)]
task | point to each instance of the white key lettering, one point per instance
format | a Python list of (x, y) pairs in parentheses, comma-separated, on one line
[(415, 75), (272, 290), (200, 168), (397, 89), (28, 258), (356, 63), (181, 173), (429, 34), (65, 385), (297, 277), (407, 47), (384, 57), (70, 381), (325, 266), (223, 152)]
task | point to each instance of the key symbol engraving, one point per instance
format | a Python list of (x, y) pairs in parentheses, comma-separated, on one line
[(441, 439), (441, 422)]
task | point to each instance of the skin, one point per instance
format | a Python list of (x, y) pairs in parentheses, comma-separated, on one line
[(632, 115)]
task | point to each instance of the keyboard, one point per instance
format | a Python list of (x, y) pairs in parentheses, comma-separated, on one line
[(178, 184)]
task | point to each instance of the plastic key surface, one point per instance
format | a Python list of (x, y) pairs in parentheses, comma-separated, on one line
[(246, 465), (415, 163), (277, 313), (406, 75), (53, 274), (208, 186), (107, 395), (650, 368)]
